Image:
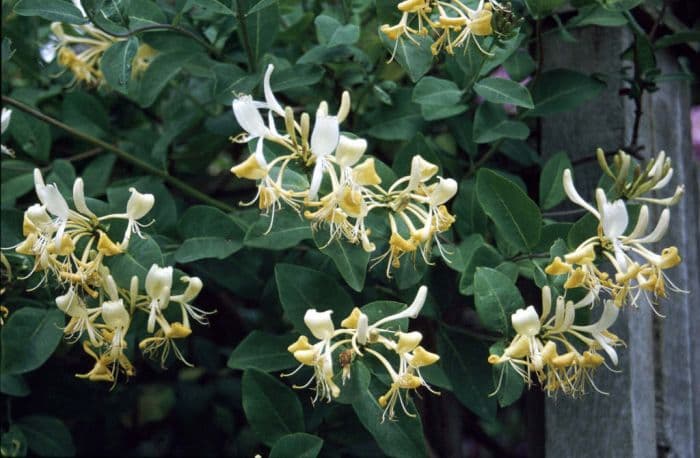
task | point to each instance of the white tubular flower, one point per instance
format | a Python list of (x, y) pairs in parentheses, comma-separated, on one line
[(194, 286), (412, 311), (117, 318), (270, 99), (421, 171), (6, 116), (443, 191), (159, 282), (79, 198), (80, 7), (324, 140), (599, 330), (81, 319), (139, 204), (573, 194), (54, 202), (526, 321), (137, 207), (320, 324), (350, 150)]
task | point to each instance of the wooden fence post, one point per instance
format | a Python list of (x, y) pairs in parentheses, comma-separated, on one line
[(653, 406)]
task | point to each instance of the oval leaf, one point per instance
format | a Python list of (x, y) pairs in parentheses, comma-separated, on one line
[(28, 339)]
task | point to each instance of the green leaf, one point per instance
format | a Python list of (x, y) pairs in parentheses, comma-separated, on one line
[(212, 6), (55, 10), (12, 442), (519, 65), (551, 186), (379, 309), (496, 299), (47, 436), (491, 124), (298, 445), (400, 438), (116, 63), (208, 233), (16, 187), (597, 15), (263, 351), (261, 26), (301, 288), (351, 390), (272, 409), (161, 70), (562, 90), (13, 385), (31, 135), (398, 122), (350, 259), (97, 173), (464, 360), (438, 98), (300, 75), (501, 90), (330, 32), (416, 60), (541, 8), (28, 339), (516, 216), (683, 37), (86, 113), (583, 229), (484, 255), (137, 260), (470, 216), (287, 231), (509, 383)]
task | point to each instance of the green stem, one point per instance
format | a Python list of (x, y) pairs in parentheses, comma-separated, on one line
[(482, 160), (240, 17), (127, 157), (148, 28)]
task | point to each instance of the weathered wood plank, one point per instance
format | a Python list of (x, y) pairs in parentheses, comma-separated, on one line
[(622, 423)]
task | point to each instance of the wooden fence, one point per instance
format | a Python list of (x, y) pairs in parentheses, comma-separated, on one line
[(653, 406)]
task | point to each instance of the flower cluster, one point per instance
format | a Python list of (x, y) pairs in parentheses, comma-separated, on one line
[(415, 204), (452, 23), (614, 266), (355, 339), (539, 339), (637, 271), (80, 47), (71, 247)]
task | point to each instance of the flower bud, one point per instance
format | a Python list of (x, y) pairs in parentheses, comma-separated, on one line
[(139, 204), (6, 115), (526, 321), (320, 323)]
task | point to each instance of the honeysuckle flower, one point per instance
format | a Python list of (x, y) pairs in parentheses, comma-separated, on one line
[(656, 176), (82, 319), (534, 349), (358, 336), (355, 187), (324, 140), (159, 282), (622, 250), (81, 52)]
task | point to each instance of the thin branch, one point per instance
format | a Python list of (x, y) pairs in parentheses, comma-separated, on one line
[(153, 27), (126, 156), (240, 16)]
